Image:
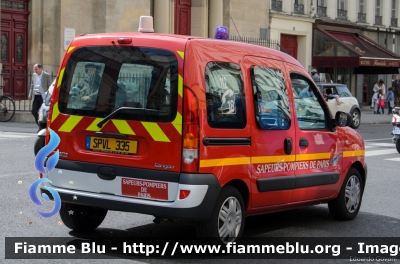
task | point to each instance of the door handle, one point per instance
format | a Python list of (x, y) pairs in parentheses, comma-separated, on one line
[(287, 146), (303, 142)]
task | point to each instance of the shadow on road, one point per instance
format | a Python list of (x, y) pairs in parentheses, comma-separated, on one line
[(313, 221)]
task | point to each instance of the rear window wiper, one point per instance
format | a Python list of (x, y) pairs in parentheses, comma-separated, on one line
[(122, 109)]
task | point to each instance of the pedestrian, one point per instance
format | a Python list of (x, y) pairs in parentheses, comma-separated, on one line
[(377, 87), (396, 90), (41, 82), (380, 86), (328, 78), (390, 97), (315, 76), (381, 102)]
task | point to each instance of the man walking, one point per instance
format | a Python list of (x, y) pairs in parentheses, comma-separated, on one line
[(315, 76), (396, 90), (41, 81)]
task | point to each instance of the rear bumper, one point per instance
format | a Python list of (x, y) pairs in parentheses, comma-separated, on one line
[(198, 206)]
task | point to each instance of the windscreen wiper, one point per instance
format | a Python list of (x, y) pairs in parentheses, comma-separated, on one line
[(122, 109)]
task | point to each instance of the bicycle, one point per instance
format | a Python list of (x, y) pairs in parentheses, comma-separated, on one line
[(7, 107)]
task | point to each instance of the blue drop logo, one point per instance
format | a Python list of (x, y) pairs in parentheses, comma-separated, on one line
[(45, 164)]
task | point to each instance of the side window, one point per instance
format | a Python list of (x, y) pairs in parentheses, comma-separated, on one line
[(343, 91), (270, 98), (225, 95), (308, 103)]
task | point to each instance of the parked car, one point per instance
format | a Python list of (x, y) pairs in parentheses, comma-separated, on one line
[(42, 120), (348, 102)]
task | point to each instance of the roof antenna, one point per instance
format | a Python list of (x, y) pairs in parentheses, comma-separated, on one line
[(236, 29)]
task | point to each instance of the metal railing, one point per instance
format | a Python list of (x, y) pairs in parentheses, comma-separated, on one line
[(276, 5), (269, 43), (321, 11), (362, 17), (17, 86), (393, 22), (299, 9), (342, 14), (378, 20)]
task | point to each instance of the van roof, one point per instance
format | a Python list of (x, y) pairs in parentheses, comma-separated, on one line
[(239, 47)]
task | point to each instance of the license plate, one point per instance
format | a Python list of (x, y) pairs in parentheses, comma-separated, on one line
[(396, 130), (113, 145), (144, 189)]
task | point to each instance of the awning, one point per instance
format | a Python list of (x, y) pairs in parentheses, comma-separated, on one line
[(352, 50)]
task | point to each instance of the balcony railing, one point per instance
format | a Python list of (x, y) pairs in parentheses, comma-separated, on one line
[(277, 5), (342, 14), (298, 9), (378, 20), (393, 22), (362, 17), (321, 11)]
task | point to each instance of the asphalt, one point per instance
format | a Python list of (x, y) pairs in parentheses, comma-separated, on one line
[(24, 122)]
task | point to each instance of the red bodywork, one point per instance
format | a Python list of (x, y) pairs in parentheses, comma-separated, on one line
[(236, 165)]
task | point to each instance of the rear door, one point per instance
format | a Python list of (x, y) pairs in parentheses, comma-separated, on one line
[(272, 155), (120, 106)]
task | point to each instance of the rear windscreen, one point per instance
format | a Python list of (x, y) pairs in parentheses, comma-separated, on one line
[(100, 80)]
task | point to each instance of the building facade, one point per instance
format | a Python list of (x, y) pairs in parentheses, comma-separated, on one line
[(357, 42), (291, 24), (39, 31)]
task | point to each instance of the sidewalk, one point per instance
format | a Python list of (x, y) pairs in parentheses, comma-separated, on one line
[(367, 117)]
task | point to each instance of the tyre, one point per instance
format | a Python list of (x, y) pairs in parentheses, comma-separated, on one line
[(39, 144), (80, 217), (355, 114), (226, 223), (7, 108), (398, 145), (348, 202)]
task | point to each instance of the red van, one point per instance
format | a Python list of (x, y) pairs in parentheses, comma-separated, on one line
[(194, 128)]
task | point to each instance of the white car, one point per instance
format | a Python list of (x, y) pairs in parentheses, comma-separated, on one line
[(42, 120), (348, 103)]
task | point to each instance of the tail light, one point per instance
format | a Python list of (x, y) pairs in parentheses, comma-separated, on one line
[(191, 132), (183, 194)]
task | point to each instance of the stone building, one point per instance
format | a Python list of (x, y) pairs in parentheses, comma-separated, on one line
[(40, 30)]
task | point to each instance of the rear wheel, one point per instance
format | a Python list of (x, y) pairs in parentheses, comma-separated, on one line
[(39, 144), (356, 118), (7, 108), (227, 220), (348, 202), (80, 217), (398, 145)]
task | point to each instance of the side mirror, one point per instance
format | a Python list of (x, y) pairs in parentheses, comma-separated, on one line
[(343, 119)]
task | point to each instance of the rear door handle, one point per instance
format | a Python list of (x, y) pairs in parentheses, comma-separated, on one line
[(287, 146), (303, 142)]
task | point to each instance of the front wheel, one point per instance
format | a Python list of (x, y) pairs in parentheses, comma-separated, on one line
[(356, 118), (398, 145), (227, 220), (348, 202), (7, 108), (80, 217)]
